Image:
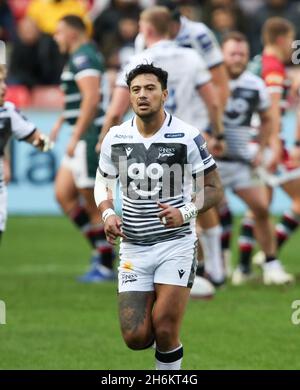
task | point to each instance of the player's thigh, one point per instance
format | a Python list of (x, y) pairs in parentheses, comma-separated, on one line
[(90, 205), (170, 305), (292, 188), (3, 207), (256, 199), (135, 309), (65, 187)]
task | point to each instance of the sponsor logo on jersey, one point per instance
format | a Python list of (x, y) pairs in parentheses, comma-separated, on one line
[(128, 278), (127, 266), (123, 136), (166, 152), (81, 62), (174, 135), (128, 150)]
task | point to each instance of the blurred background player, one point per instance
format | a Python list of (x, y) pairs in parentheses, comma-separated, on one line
[(237, 167), (12, 122), (278, 35), (74, 183)]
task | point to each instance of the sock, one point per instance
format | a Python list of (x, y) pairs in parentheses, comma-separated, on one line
[(211, 241), (246, 244), (170, 360), (226, 223), (288, 224), (200, 268), (94, 234), (270, 258), (80, 218)]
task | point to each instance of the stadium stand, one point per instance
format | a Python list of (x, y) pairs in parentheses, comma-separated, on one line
[(18, 8), (19, 95), (47, 98)]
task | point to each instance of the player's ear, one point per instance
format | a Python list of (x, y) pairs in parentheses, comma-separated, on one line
[(165, 94)]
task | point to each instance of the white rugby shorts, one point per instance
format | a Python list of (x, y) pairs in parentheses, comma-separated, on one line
[(237, 175), (78, 165), (3, 206), (171, 262)]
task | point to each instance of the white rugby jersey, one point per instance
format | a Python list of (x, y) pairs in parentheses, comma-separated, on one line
[(195, 35), (186, 73), (158, 168), (12, 122), (248, 95), (199, 37)]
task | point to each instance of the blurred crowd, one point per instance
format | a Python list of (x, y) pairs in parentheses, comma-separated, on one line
[(27, 27)]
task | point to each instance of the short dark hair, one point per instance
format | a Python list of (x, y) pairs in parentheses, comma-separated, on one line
[(161, 74), (172, 7), (75, 22), (234, 36)]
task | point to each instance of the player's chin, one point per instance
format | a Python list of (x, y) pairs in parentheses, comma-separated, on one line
[(144, 112)]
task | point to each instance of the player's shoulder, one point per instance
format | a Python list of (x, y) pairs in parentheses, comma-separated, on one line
[(9, 106), (9, 109), (122, 132), (252, 80), (85, 57), (272, 64), (177, 128), (194, 28)]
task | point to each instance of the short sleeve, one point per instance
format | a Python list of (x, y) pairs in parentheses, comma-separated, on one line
[(199, 156), (264, 98), (203, 75), (207, 46), (106, 166), (273, 74), (84, 65), (21, 127)]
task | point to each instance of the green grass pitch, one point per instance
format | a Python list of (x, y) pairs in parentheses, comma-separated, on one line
[(54, 322)]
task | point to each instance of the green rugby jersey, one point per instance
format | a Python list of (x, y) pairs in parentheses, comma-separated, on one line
[(85, 61), (255, 65)]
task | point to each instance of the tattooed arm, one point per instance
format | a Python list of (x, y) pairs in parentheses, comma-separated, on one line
[(212, 192)]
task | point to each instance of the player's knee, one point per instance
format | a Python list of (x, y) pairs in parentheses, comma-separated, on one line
[(65, 201), (296, 205), (261, 211), (59, 196), (137, 340), (164, 328)]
